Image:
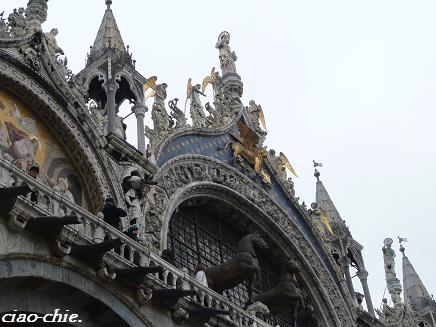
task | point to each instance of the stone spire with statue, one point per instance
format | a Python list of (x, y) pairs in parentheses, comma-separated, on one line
[(400, 315), (392, 282)]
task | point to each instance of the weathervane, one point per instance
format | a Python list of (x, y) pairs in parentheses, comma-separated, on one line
[(317, 164), (402, 239)]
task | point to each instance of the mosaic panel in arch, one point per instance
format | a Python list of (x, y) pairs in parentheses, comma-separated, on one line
[(26, 142)]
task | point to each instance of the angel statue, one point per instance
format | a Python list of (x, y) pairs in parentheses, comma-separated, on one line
[(280, 164), (226, 55), (197, 113), (150, 84), (213, 79), (255, 114), (285, 163), (159, 115)]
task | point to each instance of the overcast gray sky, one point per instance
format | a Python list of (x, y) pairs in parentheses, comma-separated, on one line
[(349, 83)]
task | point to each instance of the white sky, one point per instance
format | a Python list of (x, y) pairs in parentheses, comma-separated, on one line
[(348, 83)]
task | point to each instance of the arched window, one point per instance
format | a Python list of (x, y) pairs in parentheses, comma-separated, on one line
[(197, 235)]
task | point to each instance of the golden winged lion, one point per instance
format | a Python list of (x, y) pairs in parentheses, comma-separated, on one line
[(246, 149)]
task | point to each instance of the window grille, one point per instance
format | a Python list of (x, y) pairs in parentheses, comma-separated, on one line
[(197, 235)]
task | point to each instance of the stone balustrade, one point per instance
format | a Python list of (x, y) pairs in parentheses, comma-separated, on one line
[(93, 229)]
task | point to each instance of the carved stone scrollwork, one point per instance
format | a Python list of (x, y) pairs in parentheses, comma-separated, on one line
[(177, 113), (182, 174)]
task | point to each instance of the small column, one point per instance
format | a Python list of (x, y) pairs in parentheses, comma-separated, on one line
[(111, 88), (345, 265), (139, 110), (363, 276)]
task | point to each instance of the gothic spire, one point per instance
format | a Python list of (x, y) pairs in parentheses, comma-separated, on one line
[(324, 201), (415, 293), (108, 36)]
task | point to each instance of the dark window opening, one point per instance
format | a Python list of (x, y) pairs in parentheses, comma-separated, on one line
[(197, 235)]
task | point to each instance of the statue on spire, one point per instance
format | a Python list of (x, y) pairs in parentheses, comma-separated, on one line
[(389, 259), (226, 55), (400, 315)]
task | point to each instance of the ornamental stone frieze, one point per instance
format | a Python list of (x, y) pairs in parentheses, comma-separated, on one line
[(189, 175)]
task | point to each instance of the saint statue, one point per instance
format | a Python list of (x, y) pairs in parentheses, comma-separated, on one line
[(389, 258), (52, 44), (226, 55), (197, 113)]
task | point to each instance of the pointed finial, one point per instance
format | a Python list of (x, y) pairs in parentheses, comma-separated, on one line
[(108, 4)]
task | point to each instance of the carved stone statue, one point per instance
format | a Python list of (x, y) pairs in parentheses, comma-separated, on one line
[(243, 266), (398, 316), (177, 114), (255, 114), (257, 308), (17, 22), (226, 55), (159, 115), (197, 113), (222, 105), (3, 27), (52, 44), (97, 114), (120, 127), (62, 65), (133, 186), (31, 51), (275, 162), (286, 294), (214, 118), (389, 259)]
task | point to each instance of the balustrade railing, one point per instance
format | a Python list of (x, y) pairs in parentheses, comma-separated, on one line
[(93, 229)]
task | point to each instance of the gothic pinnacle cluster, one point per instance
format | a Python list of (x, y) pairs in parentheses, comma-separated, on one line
[(418, 308)]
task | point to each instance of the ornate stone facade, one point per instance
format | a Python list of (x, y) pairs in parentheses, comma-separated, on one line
[(186, 161)]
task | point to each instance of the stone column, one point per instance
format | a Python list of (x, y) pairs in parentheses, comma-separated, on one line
[(345, 265), (111, 88), (139, 110), (363, 276)]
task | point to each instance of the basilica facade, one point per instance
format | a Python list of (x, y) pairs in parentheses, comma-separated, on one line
[(196, 224)]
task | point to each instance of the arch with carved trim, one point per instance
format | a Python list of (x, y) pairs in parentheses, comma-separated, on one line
[(59, 116), (52, 279), (195, 176)]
